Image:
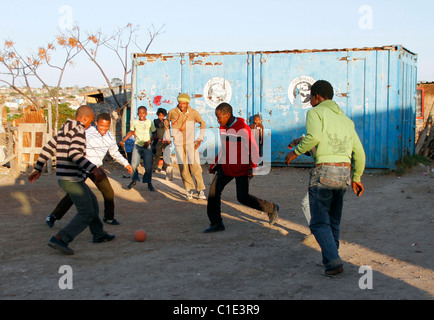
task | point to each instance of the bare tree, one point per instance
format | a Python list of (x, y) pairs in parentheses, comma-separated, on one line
[(120, 44), (19, 70)]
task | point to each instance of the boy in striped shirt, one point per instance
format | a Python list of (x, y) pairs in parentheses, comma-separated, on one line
[(71, 169), (99, 141)]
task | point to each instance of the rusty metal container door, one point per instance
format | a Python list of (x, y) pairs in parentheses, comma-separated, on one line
[(375, 87)]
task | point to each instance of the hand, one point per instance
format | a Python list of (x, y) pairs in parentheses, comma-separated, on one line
[(129, 168), (34, 176), (197, 144), (252, 173), (358, 188), (290, 156), (98, 174), (122, 143)]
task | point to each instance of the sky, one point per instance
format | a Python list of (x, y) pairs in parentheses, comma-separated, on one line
[(220, 26)]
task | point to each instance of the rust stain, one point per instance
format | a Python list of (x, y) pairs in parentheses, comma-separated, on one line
[(343, 95), (214, 64), (192, 55)]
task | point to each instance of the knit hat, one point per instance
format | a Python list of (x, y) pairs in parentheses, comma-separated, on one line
[(183, 97)]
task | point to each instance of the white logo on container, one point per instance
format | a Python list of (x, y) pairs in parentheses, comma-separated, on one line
[(299, 91), (216, 91)]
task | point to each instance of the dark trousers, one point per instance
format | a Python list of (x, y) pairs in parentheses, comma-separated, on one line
[(158, 154), (242, 183), (87, 211), (107, 192)]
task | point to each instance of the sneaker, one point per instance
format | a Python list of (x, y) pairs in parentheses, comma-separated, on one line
[(333, 272), (274, 215), (113, 222), (201, 195), (131, 185), (58, 244), (151, 187), (189, 196), (215, 228), (104, 238), (49, 221)]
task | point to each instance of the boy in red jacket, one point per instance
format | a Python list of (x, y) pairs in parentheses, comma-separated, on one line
[(237, 159)]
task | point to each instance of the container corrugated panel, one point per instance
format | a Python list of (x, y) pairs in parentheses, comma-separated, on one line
[(375, 87)]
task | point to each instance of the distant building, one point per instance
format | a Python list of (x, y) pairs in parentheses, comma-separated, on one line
[(424, 105), (102, 100)]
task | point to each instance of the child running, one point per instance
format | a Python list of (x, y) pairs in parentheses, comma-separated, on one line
[(142, 128)]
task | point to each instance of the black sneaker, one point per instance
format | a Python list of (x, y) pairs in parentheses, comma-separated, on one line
[(333, 272), (60, 245), (113, 222), (104, 238), (131, 185), (151, 187), (49, 221), (274, 215), (214, 228)]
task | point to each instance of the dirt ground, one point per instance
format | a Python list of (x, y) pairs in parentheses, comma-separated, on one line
[(389, 229)]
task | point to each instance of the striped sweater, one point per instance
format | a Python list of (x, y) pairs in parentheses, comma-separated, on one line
[(70, 148)]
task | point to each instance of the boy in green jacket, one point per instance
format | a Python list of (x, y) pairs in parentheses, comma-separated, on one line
[(337, 145)]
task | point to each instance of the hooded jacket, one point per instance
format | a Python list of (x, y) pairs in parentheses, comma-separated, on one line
[(239, 151), (335, 137)]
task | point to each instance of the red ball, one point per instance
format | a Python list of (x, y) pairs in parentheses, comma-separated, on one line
[(140, 235)]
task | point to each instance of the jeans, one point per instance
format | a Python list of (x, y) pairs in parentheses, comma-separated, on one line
[(107, 192), (327, 188), (243, 196), (146, 154), (87, 211)]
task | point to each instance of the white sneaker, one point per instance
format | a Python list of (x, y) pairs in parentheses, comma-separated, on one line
[(189, 196), (201, 195)]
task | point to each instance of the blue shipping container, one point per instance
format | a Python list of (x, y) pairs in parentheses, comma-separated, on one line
[(375, 87)]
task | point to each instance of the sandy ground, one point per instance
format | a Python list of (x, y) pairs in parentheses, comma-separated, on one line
[(389, 229)]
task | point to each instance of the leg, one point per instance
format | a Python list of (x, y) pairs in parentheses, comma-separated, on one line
[(62, 207), (326, 190), (335, 214), (147, 162), (319, 202), (197, 172), (250, 201), (214, 197), (158, 154), (184, 168), (87, 211), (135, 161), (108, 194)]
